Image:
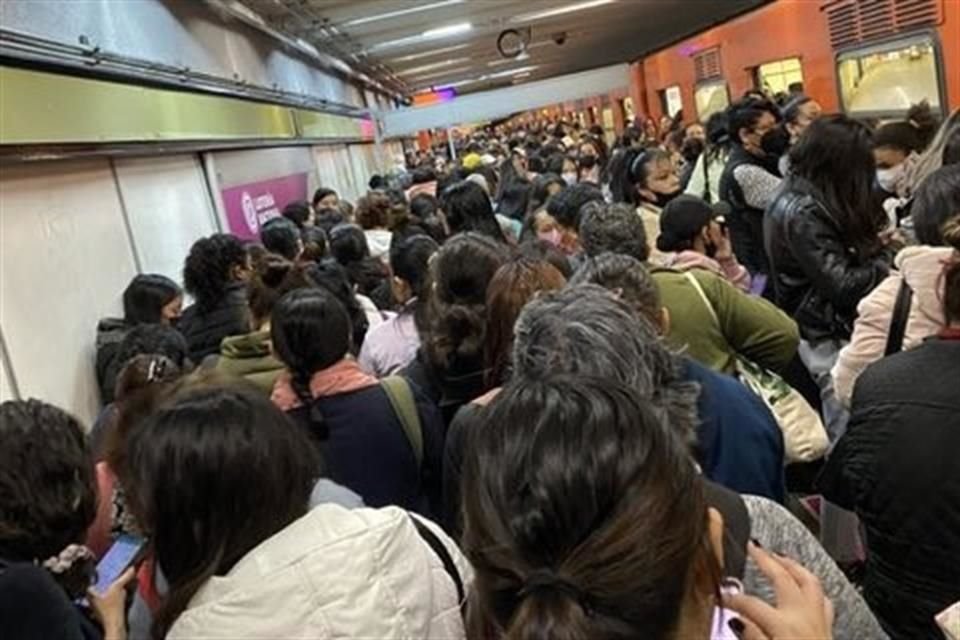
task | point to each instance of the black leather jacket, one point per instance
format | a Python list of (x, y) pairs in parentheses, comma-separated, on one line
[(818, 278)]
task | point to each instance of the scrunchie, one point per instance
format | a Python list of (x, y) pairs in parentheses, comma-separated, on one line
[(64, 561)]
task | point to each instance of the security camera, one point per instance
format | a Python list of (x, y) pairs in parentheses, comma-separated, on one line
[(560, 38)]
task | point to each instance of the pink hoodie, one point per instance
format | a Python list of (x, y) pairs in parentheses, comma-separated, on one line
[(921, 267), (734, 272)]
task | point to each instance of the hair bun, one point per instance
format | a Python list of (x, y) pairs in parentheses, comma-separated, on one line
[(274, 270), (951, 232)]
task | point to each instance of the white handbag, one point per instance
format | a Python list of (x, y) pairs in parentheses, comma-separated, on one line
[(804, 436)]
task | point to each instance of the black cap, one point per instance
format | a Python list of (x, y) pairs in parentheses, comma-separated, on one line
[(683, 218)]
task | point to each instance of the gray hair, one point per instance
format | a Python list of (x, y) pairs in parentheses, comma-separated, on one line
[(585, 330), (627, 274), (616, 228)]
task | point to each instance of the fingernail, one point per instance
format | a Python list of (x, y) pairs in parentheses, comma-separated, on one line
[(736, 625)]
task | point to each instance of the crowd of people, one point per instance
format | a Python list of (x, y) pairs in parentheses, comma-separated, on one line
[(699, 383)]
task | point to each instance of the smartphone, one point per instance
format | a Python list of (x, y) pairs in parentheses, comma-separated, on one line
[(125, 552)]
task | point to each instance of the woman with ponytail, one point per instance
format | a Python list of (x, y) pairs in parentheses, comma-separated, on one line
[(352, 417), (450, 364), (585, 518), (896, 467)]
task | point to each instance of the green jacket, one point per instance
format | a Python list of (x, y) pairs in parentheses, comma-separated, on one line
[(250, 357), (746, 325)]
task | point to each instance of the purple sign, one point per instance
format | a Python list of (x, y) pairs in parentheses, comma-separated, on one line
[(248, 206)]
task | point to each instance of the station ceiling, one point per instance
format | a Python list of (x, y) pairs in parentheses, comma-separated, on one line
[(414, 45)]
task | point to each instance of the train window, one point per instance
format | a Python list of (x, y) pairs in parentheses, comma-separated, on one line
[(628, 110), (887, 80), (670, 100), (776, 77), (710, 98)]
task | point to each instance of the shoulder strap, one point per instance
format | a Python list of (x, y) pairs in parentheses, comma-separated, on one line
[(898, 321), (703, 295), (707, 196), (405, 406), (441, 551)]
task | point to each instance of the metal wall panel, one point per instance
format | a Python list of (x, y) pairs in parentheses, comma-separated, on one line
[(168, 208), (185, 34), (65, 260)]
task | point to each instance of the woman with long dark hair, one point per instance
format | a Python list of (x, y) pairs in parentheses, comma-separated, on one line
[(584, 518), (222, 480), (824, 241), (705, 176), (450, 366), (467, 207)]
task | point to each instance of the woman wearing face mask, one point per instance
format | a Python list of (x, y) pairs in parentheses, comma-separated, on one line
[(896, 149), (590, 162), (799, 114), (647, 180)]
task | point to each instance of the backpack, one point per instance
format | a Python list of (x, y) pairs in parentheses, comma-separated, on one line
[(405, 407)]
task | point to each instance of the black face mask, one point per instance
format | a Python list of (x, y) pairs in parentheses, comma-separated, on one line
[(587, 162), (664, 198), (775, 142)]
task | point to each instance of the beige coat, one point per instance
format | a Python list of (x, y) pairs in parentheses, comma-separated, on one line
[(334, 573), (921, 267)]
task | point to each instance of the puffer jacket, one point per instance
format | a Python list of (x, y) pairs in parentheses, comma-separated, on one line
[(896, 467), (818, 278), (920, 267), (205, 329), (110, 333), (334, 573)]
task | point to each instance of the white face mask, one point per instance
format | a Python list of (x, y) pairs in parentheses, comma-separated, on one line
[(570, 177), (890, 179)]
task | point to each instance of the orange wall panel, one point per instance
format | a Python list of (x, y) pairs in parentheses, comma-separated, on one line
[(783, 29)]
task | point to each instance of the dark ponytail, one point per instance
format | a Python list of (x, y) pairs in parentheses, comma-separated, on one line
[(590, 521), (310, 331)]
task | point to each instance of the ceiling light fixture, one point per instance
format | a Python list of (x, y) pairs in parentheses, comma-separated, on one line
[(401, 12), (558, 11), (429, 34), (430, 67), (513, 72), (438, 74), (427, 54)]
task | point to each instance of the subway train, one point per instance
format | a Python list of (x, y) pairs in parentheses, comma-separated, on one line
[(867, 59)]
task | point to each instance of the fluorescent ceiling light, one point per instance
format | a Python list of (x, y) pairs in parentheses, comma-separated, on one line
[(427, 54), (401, 12), (439, 74), (426, 36), (449, 30), (433, 65), (512, 72), (559, 11)]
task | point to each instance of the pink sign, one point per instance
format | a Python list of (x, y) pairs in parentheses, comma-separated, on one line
[(248, 206)]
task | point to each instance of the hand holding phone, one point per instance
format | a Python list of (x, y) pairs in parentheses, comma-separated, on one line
[(126, 551)]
